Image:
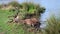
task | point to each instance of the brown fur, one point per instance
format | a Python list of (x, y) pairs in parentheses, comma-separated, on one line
[(32, 22)]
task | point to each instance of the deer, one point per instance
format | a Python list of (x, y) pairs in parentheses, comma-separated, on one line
[(33, 22)]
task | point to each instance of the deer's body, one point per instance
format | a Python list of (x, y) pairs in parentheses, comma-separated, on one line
[(32, 21)]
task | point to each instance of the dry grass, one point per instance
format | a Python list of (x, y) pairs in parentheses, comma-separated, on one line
[(53, 26)]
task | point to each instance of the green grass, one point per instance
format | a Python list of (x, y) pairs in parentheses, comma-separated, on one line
[(7, 28), (11, 28)]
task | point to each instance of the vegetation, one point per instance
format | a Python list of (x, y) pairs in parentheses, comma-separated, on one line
[(9, 28), (53, 26), (24, 8), (27, 8)]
